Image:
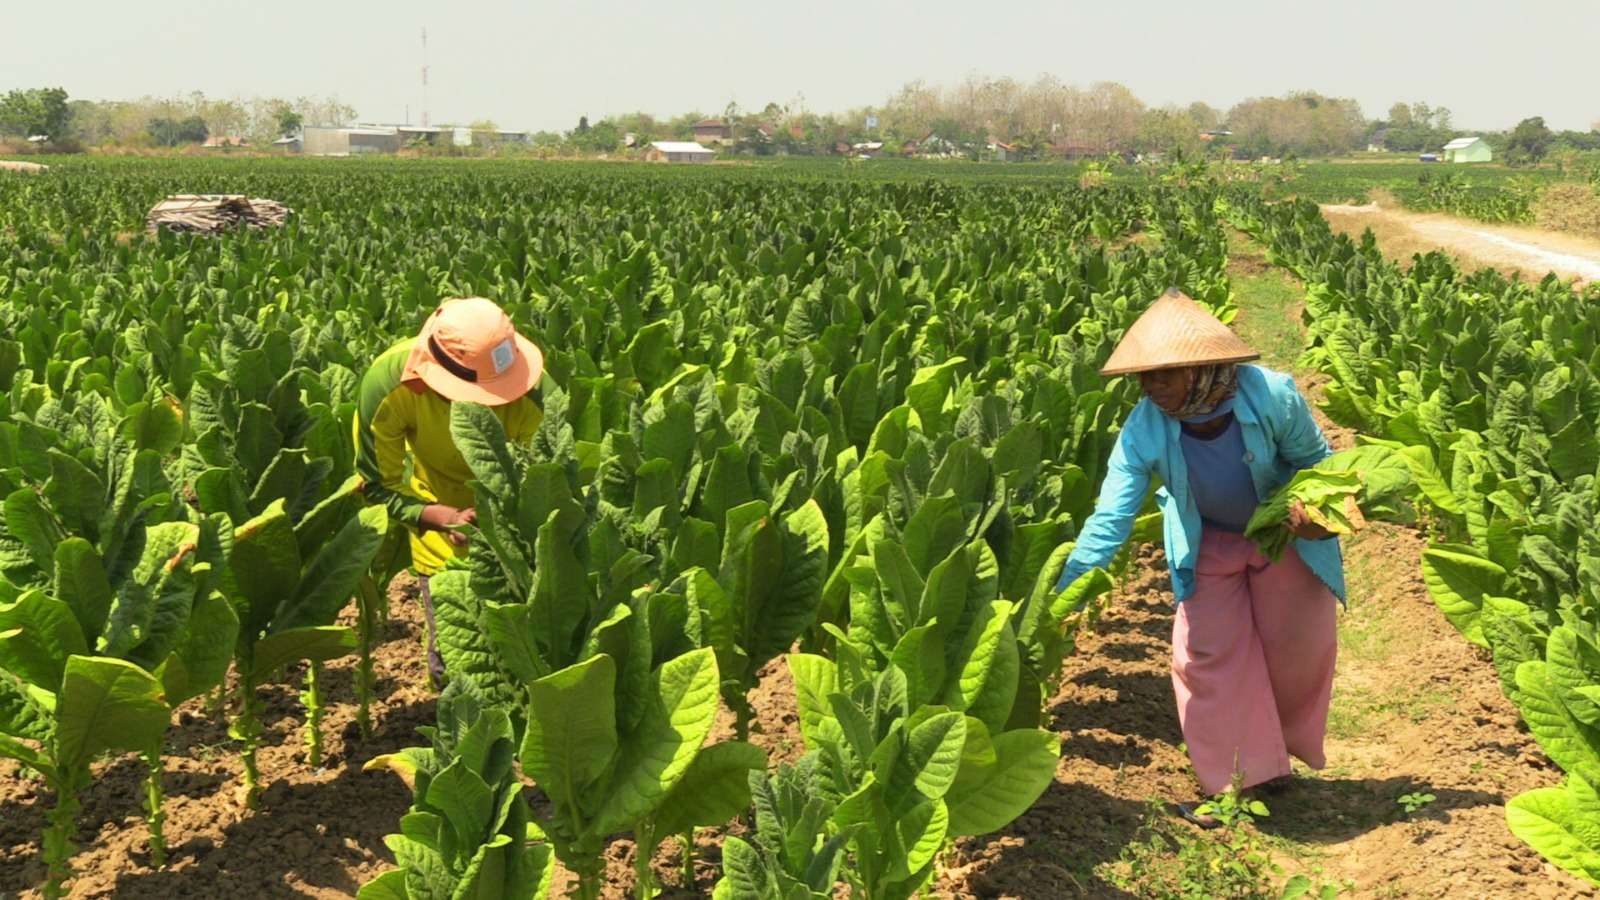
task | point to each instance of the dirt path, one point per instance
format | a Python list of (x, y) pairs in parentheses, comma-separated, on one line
[(1532, 252), (1416, 710)]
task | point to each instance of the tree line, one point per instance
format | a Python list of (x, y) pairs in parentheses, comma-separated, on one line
[(1042, 118)]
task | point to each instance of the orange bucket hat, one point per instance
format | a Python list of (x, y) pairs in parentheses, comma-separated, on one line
[(1176, 332), (469, 351)]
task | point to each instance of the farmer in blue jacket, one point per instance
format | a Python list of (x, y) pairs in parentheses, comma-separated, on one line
[(1253, 641)]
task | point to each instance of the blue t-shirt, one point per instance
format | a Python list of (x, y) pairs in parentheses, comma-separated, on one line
[(1219, 479)]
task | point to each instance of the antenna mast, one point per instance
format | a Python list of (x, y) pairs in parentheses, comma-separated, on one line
[(424, 77)]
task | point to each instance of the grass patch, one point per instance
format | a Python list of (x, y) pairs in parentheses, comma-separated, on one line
[(1171, 860), (1360, 712), (1362, 635), (1268, 301)]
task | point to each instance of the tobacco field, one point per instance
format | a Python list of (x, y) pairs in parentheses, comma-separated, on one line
[(824, 422)]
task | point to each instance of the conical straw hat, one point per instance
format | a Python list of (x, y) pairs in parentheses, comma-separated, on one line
[(1175, 332)]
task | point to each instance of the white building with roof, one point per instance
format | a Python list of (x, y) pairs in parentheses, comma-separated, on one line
[(1467, 149), (678, 151)]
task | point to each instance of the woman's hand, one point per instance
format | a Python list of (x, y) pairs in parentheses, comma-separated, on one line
[(1301, 526), (448, 519)]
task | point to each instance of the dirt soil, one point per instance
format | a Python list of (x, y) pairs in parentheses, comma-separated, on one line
[(1514, 249), (317, 834)]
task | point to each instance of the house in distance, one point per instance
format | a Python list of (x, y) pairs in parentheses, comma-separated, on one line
[(712, 131), (678, 152), (1467, 149)]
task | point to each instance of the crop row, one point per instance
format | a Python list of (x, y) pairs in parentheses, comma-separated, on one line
[(1497, 379)]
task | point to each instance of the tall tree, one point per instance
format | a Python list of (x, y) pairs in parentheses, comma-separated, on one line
[(1529, 142), (40, 111)]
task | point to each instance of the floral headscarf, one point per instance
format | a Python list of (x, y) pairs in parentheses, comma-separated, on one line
[(1213, 386)]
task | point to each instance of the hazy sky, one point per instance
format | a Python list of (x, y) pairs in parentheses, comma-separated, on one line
[(542, 64)]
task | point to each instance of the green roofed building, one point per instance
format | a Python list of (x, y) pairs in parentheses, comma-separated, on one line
[(1467, 149)]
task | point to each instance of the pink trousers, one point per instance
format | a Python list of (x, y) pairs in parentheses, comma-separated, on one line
[(1252, 663)]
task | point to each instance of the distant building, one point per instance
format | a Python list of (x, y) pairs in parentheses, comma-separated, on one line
[(287, 144), (712, 131), (1002, 151), (478, 137), (216, 141), (932, 144), (423, 134), (1070, 149), (678, 152), (316, 140), (1467, 149), (1379, 142)]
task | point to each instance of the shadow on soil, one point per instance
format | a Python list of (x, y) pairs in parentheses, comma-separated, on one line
[(1333, 810), (1053, 849)]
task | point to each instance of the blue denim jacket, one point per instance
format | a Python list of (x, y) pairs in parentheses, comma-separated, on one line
[(1280, 438)]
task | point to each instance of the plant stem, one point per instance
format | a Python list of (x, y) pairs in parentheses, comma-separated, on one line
[(368, 601), (688, 859), (644, 875), (247, 729), (589, 884), (155, 813), (312, 698), (741, 718), (61, 828)]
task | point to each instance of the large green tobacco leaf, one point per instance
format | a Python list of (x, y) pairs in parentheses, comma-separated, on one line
[(816, 678), (986, 684), (106, 704), (81, 582), (715, 789), (572, 731), (76, 493), (200, 661), (771, 582), (744, 874), (1459, 582), (561, 592), (1573, 745), (327, 518), (24, 711), (1560, 823), (266, 566), (152, 426), (27, 521), (311, 644), (1572, 670), (38, 635), (390, 885), (153, 600), (466, 647), (1514, 638), (466, 801), (681, 711), (920, 761), (1000, 778), (481, 439), (331, 577)]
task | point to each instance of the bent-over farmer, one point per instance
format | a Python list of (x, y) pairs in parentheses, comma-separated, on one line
[(1253, 641), (468, 350)]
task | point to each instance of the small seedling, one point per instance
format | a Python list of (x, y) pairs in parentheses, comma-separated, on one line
[(1415, 801)]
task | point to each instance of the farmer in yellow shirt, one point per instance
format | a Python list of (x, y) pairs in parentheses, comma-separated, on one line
[(468, 350)]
